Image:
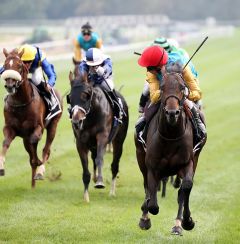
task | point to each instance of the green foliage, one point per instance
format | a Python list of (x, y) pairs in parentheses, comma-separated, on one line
[(39, 34), (55, 212)]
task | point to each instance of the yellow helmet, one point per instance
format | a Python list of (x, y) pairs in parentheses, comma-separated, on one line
[(29, 52)]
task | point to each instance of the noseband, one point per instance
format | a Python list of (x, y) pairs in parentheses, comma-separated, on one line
[(85, 111)]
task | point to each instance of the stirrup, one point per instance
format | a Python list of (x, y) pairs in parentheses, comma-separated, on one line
[(54, 112)]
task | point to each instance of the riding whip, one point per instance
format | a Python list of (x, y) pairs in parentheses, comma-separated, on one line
[(195, 52)]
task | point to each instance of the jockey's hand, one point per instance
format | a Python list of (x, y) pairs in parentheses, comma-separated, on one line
[(100, 70)]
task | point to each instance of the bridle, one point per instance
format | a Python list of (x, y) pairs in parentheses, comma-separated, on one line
[(163, 107), (85, 111), (18, 83)]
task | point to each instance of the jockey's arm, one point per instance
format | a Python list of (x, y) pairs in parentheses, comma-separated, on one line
[(195, 92), (153, 87), (49, 71), (107, 68), (1, 70), (77, 51), (99, 44)]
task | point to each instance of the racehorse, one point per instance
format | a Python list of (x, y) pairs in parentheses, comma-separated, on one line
[(169, 151), (92, 123), (24, 113)]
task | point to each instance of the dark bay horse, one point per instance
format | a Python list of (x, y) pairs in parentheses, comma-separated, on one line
[(24, 113), (169, 151), (92, 121)]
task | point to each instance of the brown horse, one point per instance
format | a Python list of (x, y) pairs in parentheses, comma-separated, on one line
[(24, 113), (169, 151), (92, 122)]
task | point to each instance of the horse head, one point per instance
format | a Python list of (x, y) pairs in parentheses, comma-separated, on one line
[(80, 98), (15, 71), (172, 92)]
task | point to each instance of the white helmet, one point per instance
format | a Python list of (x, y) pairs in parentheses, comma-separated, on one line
[(173, 42), (94, 56)]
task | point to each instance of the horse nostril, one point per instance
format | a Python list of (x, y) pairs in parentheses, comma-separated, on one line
[(177, 112), (167, 112)]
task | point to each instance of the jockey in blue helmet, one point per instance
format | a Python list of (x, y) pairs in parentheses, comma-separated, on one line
[(99, 70)]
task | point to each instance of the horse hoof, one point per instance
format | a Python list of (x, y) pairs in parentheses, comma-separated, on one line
[(38, 177), (145, 224), (99, 185), (153, 209), (188, 224), (2, 172), (176, 230)]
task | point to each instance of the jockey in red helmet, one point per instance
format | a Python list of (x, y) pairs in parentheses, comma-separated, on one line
[(154, 58)]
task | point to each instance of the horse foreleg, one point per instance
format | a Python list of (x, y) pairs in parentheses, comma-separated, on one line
[(184, 219), (177, 229), (152, 188), (51, 132), (31, 148), (34, 139), (101, 145), (145, 222), (83, 154), (117, 153), (9, 135), (93, 156), (187, 183)]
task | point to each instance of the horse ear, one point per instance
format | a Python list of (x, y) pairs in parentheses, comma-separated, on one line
[(21, 53), (71, 76), (5, 52)]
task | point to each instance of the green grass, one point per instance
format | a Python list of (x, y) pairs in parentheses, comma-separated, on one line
[(55, 212)]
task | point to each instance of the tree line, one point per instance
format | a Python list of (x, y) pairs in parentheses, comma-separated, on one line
[(175, 9)]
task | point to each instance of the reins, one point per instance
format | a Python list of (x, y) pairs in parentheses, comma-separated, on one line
[(162, 107)]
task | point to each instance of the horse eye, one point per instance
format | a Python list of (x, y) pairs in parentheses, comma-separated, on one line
[(84, 96)]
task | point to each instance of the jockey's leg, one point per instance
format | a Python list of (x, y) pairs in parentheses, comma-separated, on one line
[(144, 97), (49, 95), (200, 127), (118, 106), (143, 121)]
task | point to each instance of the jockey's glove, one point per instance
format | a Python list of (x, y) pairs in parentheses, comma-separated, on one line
[(100, 71)]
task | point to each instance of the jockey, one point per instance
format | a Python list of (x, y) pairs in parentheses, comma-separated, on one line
[(170, 48), (36, 62), (85, 40), (154, 58), (99, 70)]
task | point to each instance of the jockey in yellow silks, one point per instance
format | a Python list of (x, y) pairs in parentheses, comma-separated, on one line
[(36, 63), (154, 58)]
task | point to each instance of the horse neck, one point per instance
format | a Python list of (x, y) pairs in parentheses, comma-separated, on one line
[(24, 92), (99, 105), (171, 131)]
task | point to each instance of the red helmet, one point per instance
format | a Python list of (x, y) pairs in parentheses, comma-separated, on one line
[(153, 56)]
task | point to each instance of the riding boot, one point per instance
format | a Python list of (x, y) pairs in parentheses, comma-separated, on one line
[(200, 127), (140, 126), (142, 103), (117, 106), (51, 99)]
